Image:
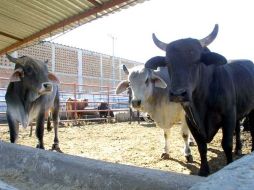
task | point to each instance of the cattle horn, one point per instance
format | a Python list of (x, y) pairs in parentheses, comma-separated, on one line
[(209, 39), (14, 60), (159, 43), (125, 70)]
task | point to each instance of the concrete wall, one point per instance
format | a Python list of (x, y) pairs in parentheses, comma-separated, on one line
[(71, 64), (28, 168), (24, 167), (238, 175), (5, 186)]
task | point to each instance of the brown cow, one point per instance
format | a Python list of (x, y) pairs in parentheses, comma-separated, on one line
[(75, 104)]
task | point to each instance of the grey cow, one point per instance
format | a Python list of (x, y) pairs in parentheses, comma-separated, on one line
[(31, 93), (150, 94)]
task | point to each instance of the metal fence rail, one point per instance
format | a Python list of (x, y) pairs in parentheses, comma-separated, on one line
[(117, 103)]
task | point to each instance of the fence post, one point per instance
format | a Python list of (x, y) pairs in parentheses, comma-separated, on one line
[(75, 101), (108, 105), (80, 71)]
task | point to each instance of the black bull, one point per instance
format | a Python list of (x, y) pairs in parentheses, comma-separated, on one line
[(213, 96), (32, 92)]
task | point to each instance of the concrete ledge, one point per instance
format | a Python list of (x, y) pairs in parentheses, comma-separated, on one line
[(237, 175), (5, 186), (29, 168)]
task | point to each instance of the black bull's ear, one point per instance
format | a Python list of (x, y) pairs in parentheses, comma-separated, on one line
[(211, 58), (207, 57), (155, 62)]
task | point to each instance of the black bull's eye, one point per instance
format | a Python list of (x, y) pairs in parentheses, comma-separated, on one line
[(28, 70)]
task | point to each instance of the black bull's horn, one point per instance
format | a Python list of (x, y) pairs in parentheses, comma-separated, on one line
[(159, 43), (203, 42), (209, 39)]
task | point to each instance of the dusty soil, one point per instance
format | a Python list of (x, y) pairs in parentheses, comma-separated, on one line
[(138, 145)]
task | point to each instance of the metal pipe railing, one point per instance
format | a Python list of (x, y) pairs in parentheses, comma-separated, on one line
[(74, 90)]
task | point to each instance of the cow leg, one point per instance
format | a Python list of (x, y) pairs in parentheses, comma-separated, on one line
[(130, 119), (112, 114), (40, 130), (49, 128), (251, 127), (227, 138), (186, 134), (165, 155), (55, 117), (202, 148), (13, 128), (138, 114), (31, 130), (67, 115), (238, 143)]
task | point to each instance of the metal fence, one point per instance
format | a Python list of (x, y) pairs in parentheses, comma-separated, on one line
[(93, 93)]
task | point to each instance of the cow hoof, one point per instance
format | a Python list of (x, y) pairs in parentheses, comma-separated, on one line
[(56, 148), (39, 146), (165, 156), (238, 152), (189, 158), (203, 173), (191, 144), (49, 129)]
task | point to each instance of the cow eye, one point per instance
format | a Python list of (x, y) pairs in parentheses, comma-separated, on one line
[(29, 70)]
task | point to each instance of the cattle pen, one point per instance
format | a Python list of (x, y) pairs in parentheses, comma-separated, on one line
[(93, 93), (142, 149), (96, 152)]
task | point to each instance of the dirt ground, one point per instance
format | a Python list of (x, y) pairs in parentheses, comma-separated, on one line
[(138, 145)]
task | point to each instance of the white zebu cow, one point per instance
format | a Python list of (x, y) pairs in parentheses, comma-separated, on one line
[(150, 94)]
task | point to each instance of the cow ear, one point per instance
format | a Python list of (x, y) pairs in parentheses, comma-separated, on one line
[(53, 78), (16, 75), (122, 86), (158, 81), (212, 58)]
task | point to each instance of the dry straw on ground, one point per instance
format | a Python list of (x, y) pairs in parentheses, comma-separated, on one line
[(138, 145)]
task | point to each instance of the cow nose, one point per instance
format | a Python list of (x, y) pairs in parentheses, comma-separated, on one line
[(178, 96), (136, 103)]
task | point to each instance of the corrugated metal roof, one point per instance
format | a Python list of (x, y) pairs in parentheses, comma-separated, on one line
[(23, 22)]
